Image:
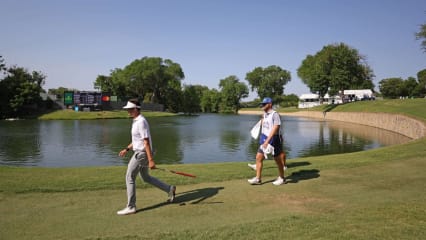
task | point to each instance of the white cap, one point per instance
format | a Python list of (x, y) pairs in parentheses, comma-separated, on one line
[(131, 105)]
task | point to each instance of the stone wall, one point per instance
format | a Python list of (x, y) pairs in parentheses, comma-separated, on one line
[(404, 125)]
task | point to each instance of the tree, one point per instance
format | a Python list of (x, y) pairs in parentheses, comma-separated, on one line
[(391, 87), (2, 64), (421, 35), (191, 100), (291, 100), (408, 87), (232, 91), (314, 74), (335, 68), (151, 79), (420, 90), (173, 101), (20, 92), (153, 75), (104, 83), (210, 101), (269, 81), (398, 87), (120, 83)]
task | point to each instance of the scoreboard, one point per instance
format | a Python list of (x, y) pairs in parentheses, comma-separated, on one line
[(86, 98)]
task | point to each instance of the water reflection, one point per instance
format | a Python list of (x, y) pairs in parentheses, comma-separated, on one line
[(202, 139), (331, 137), (19, 144)]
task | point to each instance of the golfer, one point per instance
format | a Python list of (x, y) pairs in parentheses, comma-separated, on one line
[(141, 160), (270, 142)]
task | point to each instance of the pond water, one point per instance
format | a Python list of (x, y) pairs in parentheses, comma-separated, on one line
[(206, 138)]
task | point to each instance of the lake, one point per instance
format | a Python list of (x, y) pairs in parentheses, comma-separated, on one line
[(206, 138)]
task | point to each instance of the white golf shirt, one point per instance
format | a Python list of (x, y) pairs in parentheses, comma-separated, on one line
[(270, 119), (140, 131)]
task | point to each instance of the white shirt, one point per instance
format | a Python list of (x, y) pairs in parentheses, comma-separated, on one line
[(140, 131), (270, 119)]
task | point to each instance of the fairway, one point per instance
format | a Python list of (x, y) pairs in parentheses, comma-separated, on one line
[(325, 198)]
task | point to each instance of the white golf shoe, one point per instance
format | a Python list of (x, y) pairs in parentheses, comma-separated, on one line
[(252, 166), (254, 181), (279, 181), (127, 210)]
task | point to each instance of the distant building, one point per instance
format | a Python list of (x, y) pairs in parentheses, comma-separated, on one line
[(309, 100), (332, 100), (358, 95)]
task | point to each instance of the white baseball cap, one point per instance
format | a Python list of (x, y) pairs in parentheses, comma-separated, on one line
[(131, 105)]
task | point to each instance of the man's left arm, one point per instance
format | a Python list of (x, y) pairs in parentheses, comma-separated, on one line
[(149, 153)]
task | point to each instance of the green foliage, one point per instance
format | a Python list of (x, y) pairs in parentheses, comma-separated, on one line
[(421, 76), (269, 81), (291, 100), (398, 87), (335, 68), (391, 87), (210, 101), (420, 89), (191, 100), (232, 91), (409, 85), (20, 92), (149, 76), (104, 83), (421, 35)]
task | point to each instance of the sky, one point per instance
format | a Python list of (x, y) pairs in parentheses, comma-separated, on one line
[(73, 41)]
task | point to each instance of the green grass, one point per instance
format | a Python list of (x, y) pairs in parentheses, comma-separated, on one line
[(73, 115), (411, 107), (375, 194)]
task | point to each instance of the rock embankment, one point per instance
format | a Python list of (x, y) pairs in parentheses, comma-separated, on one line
[(404, 125)]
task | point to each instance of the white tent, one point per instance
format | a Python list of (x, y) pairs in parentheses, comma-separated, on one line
[(308, 100), (359, 94)]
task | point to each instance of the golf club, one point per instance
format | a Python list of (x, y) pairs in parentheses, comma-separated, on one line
[(176, 172)]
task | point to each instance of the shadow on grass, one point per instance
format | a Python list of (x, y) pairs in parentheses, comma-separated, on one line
[(329, 108), (191, 197), (198, 196), (295, 177), (297, 164), (290, 165)]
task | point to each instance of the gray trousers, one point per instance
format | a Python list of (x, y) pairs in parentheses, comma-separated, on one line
[(139, 164)]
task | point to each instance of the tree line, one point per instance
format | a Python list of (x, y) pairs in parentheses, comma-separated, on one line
[(331, 70), (155, 80), (402, 88)]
